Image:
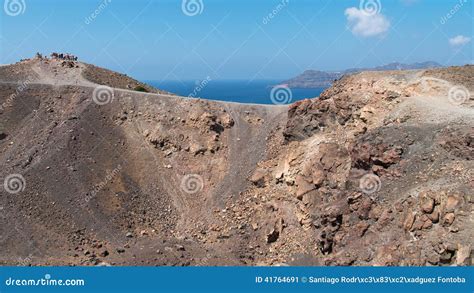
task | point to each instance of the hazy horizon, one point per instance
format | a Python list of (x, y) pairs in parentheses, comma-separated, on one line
[(244, 40)]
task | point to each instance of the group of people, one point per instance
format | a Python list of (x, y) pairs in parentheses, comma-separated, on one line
[(60, 56), (63, 56)]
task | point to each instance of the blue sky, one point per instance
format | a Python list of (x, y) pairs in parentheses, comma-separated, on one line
[(157, 40)]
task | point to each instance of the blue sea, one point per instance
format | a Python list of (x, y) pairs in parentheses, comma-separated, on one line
[(241, 91)]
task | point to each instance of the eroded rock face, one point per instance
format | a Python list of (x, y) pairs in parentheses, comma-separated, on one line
[(370, 153), (308, 117), (371, 170), (377, 171), (328, 168)]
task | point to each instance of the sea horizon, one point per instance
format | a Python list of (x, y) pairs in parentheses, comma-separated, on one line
[(259, 91)]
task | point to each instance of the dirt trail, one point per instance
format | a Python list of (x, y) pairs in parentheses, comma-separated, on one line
[(431, 97)]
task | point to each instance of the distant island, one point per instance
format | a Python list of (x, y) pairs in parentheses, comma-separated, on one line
[(318, 79)]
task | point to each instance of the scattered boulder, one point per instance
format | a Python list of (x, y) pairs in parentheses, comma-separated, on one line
[(448, 219), (427, 204), (226, 120), (368, 151), (392, 95), (451, 203), (197, 149), (463, 255), (258, 178), (303, 186), (434, 216), (318, 176), (274, 231), (104, 253), (409, 221), (366, 113), (272, 235)]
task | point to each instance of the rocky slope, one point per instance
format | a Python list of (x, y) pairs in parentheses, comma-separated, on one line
[(378, 171)]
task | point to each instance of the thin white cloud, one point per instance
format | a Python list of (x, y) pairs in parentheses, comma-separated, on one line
[(366, 24), (459, 40)]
